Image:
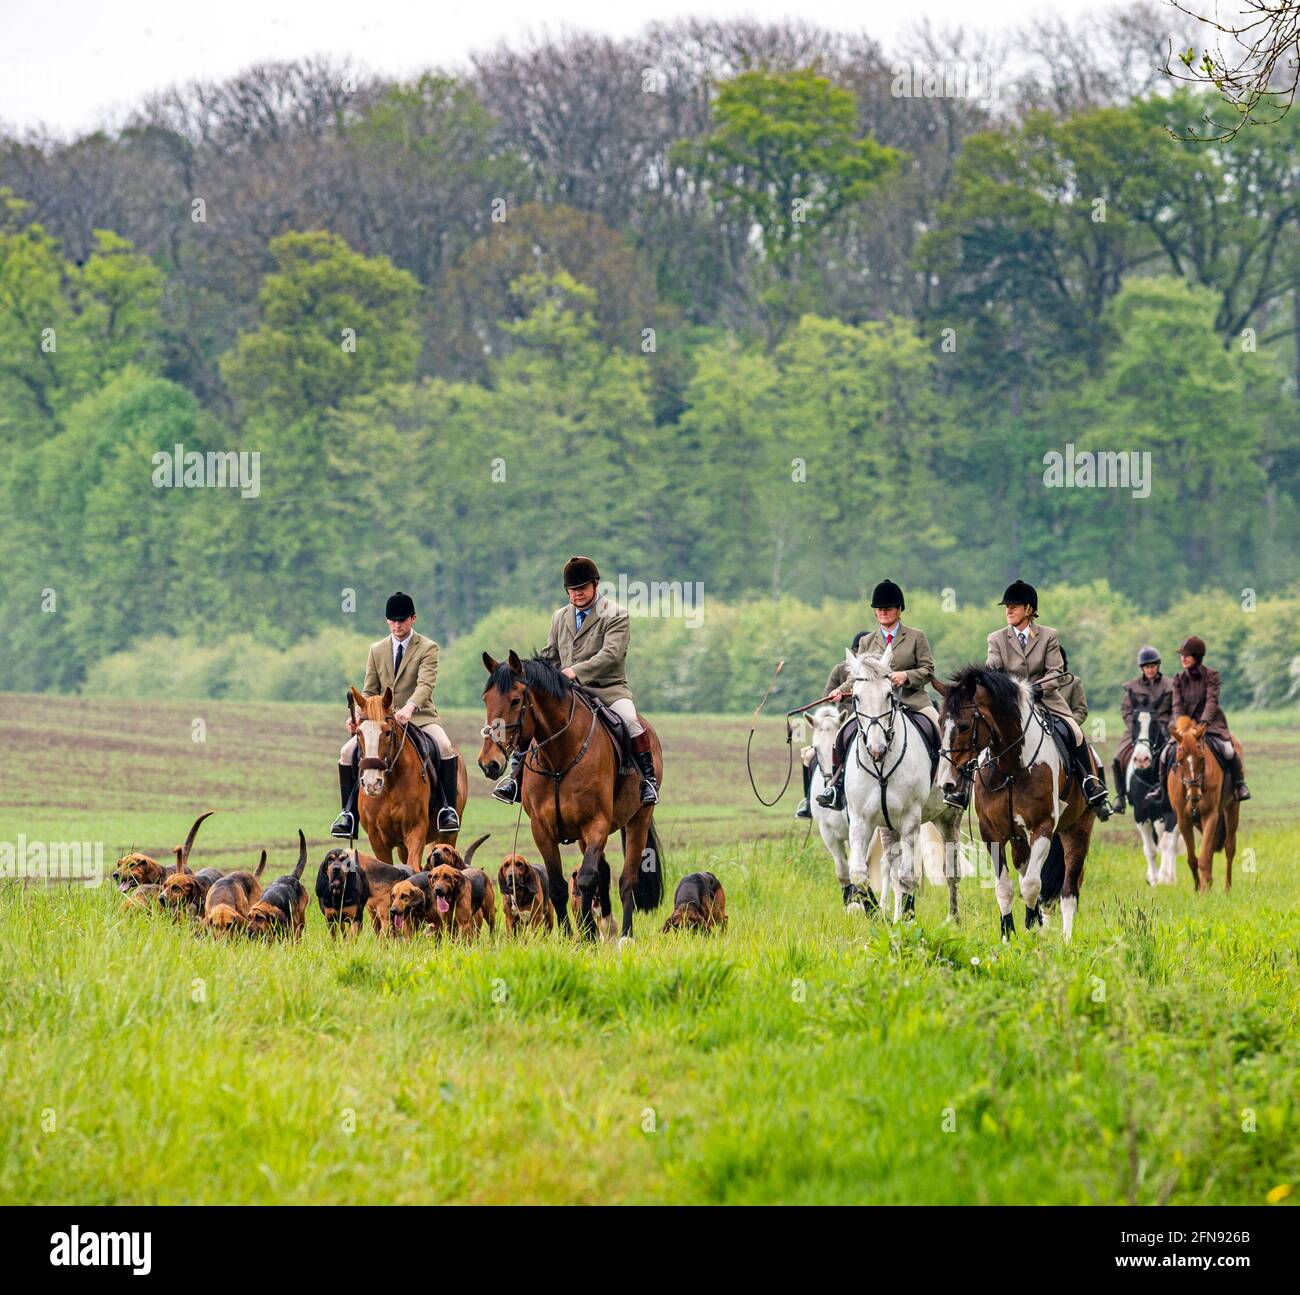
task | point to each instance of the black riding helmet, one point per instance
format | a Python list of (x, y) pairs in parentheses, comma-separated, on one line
[(1020, 592), (399, 607), (888, 594)]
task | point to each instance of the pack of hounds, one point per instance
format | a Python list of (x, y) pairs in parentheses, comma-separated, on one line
[(445, 897)]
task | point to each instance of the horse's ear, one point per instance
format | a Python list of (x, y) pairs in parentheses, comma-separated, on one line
[(850, 660), (887, 656), (939, 686), (515, 663), (489, 664), (1198, 731), (358, 700), (807, 720)]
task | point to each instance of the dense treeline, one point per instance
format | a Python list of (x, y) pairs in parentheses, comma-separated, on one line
[(720, 656), (761, 307)]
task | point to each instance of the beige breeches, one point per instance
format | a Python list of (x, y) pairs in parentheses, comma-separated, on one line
[(625, 709), (435, 731)]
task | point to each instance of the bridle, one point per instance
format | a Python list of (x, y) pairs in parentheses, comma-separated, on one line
[(969, 770), (378, 762), (885, 721)]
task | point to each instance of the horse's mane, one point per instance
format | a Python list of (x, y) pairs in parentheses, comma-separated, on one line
[(1000, 686), (538, 673)]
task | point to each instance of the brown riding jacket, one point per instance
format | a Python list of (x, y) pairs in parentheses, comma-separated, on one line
[(1196, 695), (1156, 697)]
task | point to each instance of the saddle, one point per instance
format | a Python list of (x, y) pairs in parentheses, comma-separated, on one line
[(614, 726), (924, 726)]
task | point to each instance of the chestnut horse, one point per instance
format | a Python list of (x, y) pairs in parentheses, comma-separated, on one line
[(1024, 793), (1202, 796), (572, 788), (393, 797)]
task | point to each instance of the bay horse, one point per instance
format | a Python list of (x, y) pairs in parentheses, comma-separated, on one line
[(1025, 795), (393, 796), (572, 787), (1202, 796)]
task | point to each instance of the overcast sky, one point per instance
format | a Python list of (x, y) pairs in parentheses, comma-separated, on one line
[(70, 63)]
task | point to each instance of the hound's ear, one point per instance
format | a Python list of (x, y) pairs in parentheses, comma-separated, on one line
[(358, 700), (388, 699), (489, 664), (939, 686), (515, 663)]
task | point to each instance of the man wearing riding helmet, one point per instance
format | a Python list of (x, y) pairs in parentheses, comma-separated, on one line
[(588, 644), (1152, 692), (1033, 653), (1196, 695), (407, 663), (913, 668)]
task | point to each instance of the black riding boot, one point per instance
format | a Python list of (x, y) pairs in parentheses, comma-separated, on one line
[(346, 823), (833, 796), (645, 761), (1120, 803), (1157, 792), (509, 789), (1093, 787), (1238, 778), (448, 819), (803, 809)]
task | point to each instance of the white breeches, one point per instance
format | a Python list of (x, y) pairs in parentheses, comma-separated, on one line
[(435, 731), (625, 709)]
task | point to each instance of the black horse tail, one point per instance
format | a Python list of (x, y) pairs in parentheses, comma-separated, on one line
[(1053, 874), (649, 892)]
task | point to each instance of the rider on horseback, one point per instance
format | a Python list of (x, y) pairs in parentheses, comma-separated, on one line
[(913, 664), (588, 643), (1032, 653), (1151, 692), (407, 663), (1196, 695)]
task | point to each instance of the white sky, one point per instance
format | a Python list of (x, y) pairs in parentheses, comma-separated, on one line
[(71, 63)]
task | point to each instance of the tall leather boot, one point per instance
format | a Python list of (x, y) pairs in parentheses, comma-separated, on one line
[(804, 809), (509, 791), (448, 819), (346, 823), (645, 761)]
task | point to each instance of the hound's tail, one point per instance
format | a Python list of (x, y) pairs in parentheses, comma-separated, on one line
[(302, 856)]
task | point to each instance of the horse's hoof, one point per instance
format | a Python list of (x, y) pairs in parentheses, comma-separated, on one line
[(624, 941), (854, 906)]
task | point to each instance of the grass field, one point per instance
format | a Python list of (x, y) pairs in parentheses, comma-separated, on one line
[(806, 1056)]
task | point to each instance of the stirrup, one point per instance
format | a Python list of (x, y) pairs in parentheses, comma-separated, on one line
[(506, 791), (649, 791), (958, 798), (448, 819), (344, 825), (803, 809), (1243, 792)]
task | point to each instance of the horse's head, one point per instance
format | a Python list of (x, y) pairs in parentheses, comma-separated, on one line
[(503, 707), (1191, 758), (1142, 738), (378, 738), (873, 700), (822, 725), (981, 707)]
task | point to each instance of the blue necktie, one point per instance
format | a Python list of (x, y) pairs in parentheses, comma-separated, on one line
[(580, 617)]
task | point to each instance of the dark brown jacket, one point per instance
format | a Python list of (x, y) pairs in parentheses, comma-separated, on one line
[(1196, 695), (1156, 697)]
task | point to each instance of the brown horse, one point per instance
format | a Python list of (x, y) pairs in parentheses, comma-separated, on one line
[(572, 787), (393, 797), (1025, 795), (1202, 795)]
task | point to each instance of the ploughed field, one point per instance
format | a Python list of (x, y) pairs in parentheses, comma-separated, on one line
[(805, 1056)]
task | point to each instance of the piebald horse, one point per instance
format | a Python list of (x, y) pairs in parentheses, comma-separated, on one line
[(1024, 794), (1202, 796), (572, 786), (393, 804), (1154, 821)]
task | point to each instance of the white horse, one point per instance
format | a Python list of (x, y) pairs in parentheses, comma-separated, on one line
[(1158, 840), (887, 786)]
